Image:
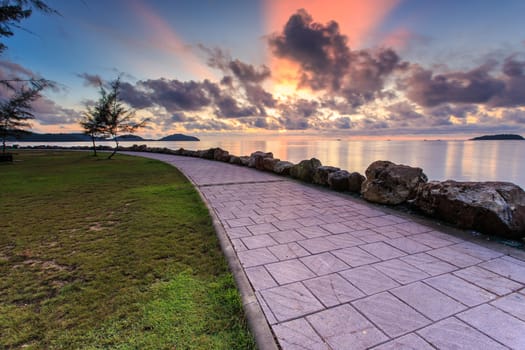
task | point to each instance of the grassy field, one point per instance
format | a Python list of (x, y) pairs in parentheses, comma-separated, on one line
[(119, 254)]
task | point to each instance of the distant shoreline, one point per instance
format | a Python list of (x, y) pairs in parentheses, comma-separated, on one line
[(80, 137)]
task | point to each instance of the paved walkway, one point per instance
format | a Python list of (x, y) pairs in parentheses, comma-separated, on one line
[(331, 272)]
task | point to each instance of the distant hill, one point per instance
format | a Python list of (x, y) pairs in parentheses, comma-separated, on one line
[(132, 138), (498, 137), (179, 137), (80, 137)]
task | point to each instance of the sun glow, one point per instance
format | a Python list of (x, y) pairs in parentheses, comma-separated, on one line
[(357, 20)]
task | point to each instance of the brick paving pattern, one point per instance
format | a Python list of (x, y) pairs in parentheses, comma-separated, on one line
[(333, 273)]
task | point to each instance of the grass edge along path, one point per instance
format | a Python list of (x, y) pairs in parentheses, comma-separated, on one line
[(119, 254)]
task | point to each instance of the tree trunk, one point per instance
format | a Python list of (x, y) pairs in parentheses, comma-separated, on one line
[(4, 137), (94, 146), (116, 147)]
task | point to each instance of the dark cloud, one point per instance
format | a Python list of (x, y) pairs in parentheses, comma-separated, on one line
[(243, 79), (343, 123), (367, 74), (47, 112), (227, 81), (372, 124), (228, 107), (342, 107), (191, 96), (476, 86), (242, 71), (217, 58), (321, 50), (175, 95), (267, 123), (514, 116), (91, 79), (513, 94), (10, 70), (248, 73), (178, 117), (327, 63), (513, 68), (298, 114), (134, 96), (15, 77), (210, 125), (403, 111), (482, 85), (458, 111), (259, 98), (261, 123)]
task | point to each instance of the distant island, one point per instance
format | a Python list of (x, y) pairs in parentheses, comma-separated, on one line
[(179, 137), (498, 137), (80, 137)]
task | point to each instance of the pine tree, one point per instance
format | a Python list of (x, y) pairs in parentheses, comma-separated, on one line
[(15, 112)]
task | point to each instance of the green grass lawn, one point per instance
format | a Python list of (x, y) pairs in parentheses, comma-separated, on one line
[(119, 254)]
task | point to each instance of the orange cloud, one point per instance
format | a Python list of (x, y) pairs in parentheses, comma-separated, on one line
[(166, 39), (357, 19)]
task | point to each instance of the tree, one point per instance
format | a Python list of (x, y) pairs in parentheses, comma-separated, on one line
[(113, 116), (15, 111), (93, 120)]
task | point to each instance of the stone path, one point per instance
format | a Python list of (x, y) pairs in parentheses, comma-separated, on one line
[(331, 272)]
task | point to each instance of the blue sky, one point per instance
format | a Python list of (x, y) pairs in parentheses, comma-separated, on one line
[(390, 67)]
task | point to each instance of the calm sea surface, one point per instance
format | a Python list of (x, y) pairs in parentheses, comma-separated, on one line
[(440, 160)]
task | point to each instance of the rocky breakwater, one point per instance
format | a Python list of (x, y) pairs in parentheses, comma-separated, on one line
[(342, 180), (496, 208), (305, 170), (256, 159), (390, 183)]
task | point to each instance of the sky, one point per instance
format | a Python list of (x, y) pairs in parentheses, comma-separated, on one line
[(400, 68)]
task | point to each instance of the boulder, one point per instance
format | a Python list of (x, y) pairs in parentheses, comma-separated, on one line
[(179, 152), (207, 153), (355, 181), (139, 148), (389, 183), (163, 150), (496, 208), (321, 174), (235, 160), (305, 170), (221, 155), (269, 163), (189, 153), (282, 167), (257, 159), (338, 180), (245, 160)]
